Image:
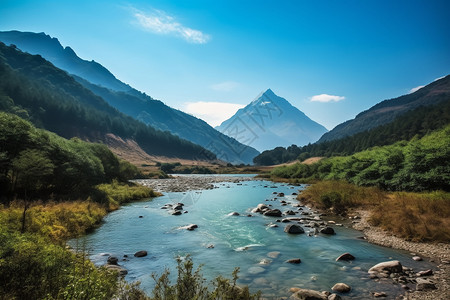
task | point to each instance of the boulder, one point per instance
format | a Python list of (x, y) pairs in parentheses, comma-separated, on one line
[(176, 213), (392, 266), (294, 261), (428, 272), (273, 213), (417, 258), (334, 297), (191, 227), (273, 254), (379, 294), (285, 221), (265, 261), (305, 294), (178, 207), (424, 284), (112, 260), (346, 256), (341, 288), (293, 229), (327, 230), (289, 213), (234, 214), (141, 253), (280, 194)]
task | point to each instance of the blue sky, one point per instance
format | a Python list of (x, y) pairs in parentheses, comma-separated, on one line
[(331, 59)]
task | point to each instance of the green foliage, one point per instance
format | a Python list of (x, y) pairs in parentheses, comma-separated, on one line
[(415, 123), (419, 165), (37, 164), (118, 193), (190, 285)]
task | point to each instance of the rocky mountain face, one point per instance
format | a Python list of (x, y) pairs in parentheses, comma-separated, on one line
[(271, 121)]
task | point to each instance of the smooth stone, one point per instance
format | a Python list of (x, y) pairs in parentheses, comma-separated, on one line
[(273, 213), (392, 266), (428, 272), (305, 294), (424, 284), (334, 297), (176, 213), (294, 289), (210, 246), (293, 229), (285, 221), (346, 256), (112, 260), (327, 230), (140, 217), (294, 261), (234, 214), (379, 294), (256, 270), (417, 258), (265, 261), (191, 227), (141, 253), (341, 288), (273, 254)]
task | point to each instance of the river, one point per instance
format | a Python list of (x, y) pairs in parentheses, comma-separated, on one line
[(240, 241)]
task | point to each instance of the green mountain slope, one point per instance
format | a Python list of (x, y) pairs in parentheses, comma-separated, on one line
[(387, 110), (155, 113), (418, 165), (33, 88)]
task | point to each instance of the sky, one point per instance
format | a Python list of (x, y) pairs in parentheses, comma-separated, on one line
[(330, 59)]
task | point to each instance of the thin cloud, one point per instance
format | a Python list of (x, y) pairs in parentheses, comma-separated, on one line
[(226, 86), (159, 22), (326, 98), (213, 113)]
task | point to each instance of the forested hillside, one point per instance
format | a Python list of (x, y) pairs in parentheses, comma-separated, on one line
[(34, 89), (418, 165), (417, 122)]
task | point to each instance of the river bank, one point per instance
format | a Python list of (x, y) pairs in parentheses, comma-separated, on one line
[(438, 253)]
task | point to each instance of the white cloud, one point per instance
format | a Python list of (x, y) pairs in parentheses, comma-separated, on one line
[(415, 89), (213, 113), (161, 23), (326, 98), (226, 86)]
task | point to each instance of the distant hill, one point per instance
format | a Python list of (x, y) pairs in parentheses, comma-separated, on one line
[(387, 110), (36, 90), (101, 82), (270, 121)]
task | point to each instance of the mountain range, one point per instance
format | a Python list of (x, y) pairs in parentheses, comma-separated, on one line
[(128, 100), (388, 110), (270, 121)]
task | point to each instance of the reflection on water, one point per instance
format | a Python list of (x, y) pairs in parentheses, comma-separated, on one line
[(239, 241)]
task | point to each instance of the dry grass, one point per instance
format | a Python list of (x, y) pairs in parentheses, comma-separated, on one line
[(415, 217), (412, 216)]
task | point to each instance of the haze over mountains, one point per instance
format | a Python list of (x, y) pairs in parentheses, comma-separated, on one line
[(270, 121), (155, 113)]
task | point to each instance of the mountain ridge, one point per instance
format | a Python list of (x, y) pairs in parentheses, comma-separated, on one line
[(129, 100), (387, 110)]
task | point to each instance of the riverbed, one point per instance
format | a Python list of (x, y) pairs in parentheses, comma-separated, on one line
[(256, 244)]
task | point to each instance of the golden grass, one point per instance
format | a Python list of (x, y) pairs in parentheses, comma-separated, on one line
[(413, 216)]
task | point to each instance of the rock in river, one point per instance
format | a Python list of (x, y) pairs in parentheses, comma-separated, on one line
[(327, 230), (141, 253), (273, 213), (392, 266), (305, 294), (293, 229), (424, 284), (117, 269), (234, 213), (341, 287), (112, 260), (294, 261), (345, 256)]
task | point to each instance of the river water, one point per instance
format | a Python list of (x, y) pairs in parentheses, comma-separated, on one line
[(239, 241)]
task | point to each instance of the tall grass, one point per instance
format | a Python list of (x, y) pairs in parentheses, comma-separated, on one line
[(413, 216)]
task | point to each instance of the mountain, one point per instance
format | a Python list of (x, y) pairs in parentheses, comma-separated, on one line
[(126, 99), (388, 110), (270, 121), (36, 90)]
